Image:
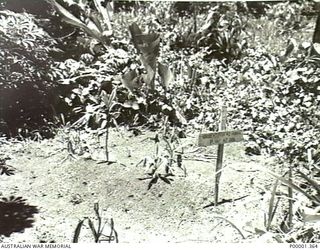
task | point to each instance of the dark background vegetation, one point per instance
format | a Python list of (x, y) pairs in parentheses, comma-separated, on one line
[(57, 75)]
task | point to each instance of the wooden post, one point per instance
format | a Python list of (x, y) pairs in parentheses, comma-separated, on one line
[(220, 138), (222, 127)]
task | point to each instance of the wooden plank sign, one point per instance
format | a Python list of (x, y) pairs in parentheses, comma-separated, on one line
[(222, 137)]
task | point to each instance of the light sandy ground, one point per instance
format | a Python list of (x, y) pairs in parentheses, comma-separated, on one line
[(64, 191)]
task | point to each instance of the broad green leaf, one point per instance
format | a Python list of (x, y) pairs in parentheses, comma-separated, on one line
[(130, 80), (95, 18), (152, 39), (149, 61), (165, 74), (316, 49), (103, 124), (111, 98), (71, 19), (208, 22), (135, 31), (181, 117), (105, 12), (150, 43), (291, 47), (93, 26), (148, 78), (131, 104), (305, 45)]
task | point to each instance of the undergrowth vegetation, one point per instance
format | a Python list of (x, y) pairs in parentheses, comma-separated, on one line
[(158, 66), (27, 75)]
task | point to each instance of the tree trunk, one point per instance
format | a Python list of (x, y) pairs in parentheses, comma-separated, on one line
[(316, 34)]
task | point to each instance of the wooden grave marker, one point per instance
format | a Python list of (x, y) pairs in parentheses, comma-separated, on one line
[(220, 138)]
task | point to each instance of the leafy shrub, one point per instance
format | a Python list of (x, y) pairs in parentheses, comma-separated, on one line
[(135, 103), (27, 75), (290, 120), (93, 18), (85, 80), (222, 34), (289, 14)]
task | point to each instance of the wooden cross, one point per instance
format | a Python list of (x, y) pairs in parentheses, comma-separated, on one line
[(220, 138)]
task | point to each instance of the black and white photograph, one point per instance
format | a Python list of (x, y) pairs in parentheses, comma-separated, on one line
[(159, 122)]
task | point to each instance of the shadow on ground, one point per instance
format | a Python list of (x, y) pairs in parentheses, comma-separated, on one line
[(15, 215)]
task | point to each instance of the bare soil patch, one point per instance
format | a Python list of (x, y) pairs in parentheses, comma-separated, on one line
[(64, 191)]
